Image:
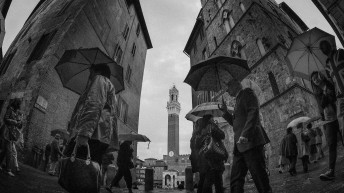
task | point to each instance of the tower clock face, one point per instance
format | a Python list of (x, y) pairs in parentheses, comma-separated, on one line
[(170, 153)]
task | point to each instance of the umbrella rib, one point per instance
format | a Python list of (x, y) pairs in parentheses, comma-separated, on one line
[(316, 63), (80, 72), (95, 57), (308, 63), (85, 57), (300, 58)]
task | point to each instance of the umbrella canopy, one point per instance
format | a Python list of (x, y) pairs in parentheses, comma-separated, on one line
[(204, 109), (133, 137), (305, 56), (63, 133), (213, 74), (297, 121), (74, 68)]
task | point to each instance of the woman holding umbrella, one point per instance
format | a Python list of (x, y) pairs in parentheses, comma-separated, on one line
[(325, 94)]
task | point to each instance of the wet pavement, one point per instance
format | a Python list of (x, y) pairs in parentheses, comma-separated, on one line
[(31, 180)]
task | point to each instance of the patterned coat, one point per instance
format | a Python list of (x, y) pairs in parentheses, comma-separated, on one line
[(94, 114)]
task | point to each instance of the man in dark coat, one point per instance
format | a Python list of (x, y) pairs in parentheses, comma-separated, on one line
[(249, 138), (289, 149)]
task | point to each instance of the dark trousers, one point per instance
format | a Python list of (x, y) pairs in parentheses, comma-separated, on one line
[(331, 133), (305, 160), (213, 177), (292, 160), (254, 161), (6, 152), (123, 171), (97, 150), (201, 182)]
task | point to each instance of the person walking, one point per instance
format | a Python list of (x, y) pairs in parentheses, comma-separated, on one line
[(93, 121), (124, 163), (324, 92), (305, 147), (47, 153), (9, 133), (249, 139), (318, 142), (289, 149), (312, 144), (54, 154), (334, 69), (212, 166)]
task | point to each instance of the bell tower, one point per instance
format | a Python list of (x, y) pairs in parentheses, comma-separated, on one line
[(173, 110)]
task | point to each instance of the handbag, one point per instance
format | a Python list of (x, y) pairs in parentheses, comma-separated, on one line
[(216, 149), (78, 175)]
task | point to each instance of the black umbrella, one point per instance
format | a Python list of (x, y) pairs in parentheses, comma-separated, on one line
[(73, 68), (214, 74)]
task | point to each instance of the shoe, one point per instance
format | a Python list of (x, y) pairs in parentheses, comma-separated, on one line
[(17, 170), (10, 174), (329, 175)]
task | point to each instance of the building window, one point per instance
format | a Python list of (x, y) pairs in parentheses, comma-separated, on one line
[(65, 7), (138, 29), (204, 54), (41, 46), (128, 74), (228, 20), (118, 53), (201, 34), (6, 62), (122, 109), (242, 7), (261, 47), (273, 83), (218, 3), (125, 31), (133, 50), (215, 41)]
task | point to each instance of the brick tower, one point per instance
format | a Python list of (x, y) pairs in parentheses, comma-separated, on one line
[(259, 31), (173, 110)]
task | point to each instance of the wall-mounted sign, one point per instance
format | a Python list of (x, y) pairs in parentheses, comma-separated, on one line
[(41, 103)]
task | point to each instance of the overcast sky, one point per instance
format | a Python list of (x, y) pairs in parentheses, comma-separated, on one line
[(169, 23)]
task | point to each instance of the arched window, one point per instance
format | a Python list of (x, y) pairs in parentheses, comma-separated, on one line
[(218, 3), (228, 20), (273, 83), (242, 7), (261, 47), (215, 41)]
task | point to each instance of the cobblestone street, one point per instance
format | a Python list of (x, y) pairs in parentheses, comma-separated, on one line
[(31, 180)]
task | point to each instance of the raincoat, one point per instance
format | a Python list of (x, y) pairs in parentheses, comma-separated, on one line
[(94, 115)]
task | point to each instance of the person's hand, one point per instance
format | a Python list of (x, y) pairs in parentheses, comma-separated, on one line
[(223, 107), (242, 140), (81, 141)]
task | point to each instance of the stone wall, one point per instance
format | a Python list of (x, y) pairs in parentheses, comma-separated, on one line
[(82, 24)]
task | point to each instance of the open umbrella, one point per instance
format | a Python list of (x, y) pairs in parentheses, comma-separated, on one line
[(74, 68), (133, 137), (297, 121), (213, 74), (305, 56), (204, 109), (62, 132)]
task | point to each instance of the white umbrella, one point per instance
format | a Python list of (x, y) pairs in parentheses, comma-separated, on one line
[(204, 109), (305, 56), (297, 121)]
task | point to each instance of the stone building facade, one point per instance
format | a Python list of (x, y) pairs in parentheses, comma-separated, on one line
[(333, 11), (118, 28), (259, 31)]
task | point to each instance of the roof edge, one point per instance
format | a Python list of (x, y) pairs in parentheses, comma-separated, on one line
[(138, 9)]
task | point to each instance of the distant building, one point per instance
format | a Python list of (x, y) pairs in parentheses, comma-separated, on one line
[(333, 11), (4, 6), (259, 31), (118, 28)]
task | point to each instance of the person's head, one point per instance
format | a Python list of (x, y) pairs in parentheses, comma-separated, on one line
[(326, 47), (234, 86), (207, 118), (16, 103), (101, 69), (128, 142), (57, 136), (317, 82), (309, 126), (299, 126), (289, 130)]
